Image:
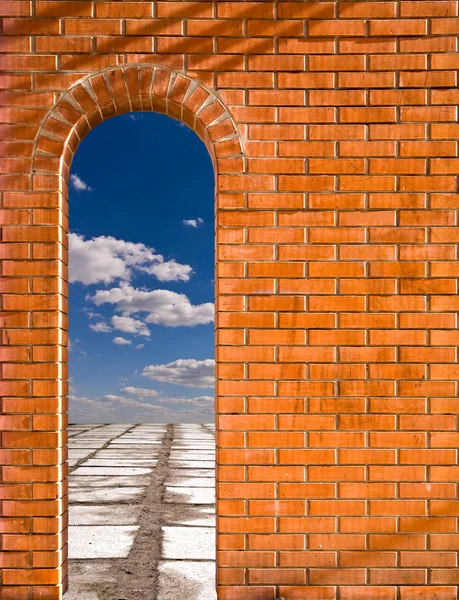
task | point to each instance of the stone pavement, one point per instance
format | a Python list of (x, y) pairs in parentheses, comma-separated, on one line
[(142, 512)]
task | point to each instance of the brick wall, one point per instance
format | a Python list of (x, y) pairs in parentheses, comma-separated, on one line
[(333, 128)]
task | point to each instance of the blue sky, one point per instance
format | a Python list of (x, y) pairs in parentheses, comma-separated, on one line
[(141, 274)]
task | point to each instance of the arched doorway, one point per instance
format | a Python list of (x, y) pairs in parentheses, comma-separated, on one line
[(141, 366), (88, 103)]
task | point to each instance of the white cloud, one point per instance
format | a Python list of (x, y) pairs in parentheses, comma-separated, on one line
[(199, 401), (169, 270), (104, 259), (78, 184), (100, 327), (121, 341), (91, 314), (111, 398), (130, 325), (184, 371), (140, 346), (142, 392), (193, 222), (163, 306)]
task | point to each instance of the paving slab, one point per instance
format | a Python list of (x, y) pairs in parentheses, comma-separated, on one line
[(134, 442), (192, 457), (87, 425), (120, 462), (190, 482), (200, 434), (189, 495), (122, 471), (96, 481), (188, 543), (144, 434), (101, 541), (97, 436), (105, 514), (192, 473), (112, 494), (193, 437), (125, 426), (199, 516), (146, 440), (83, 445), (198, 444), (200, 439), (192, 464), (188, 439), (194, 448), (127, 453), (204, 453), (133, 447), (186, 579), (114, 455)]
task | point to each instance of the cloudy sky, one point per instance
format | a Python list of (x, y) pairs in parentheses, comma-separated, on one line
[(141, 271)]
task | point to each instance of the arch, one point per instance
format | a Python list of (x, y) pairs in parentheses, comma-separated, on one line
[(94, 98), (117, 90)]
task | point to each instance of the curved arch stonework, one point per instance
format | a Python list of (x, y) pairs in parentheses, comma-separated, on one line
[(122, 89)]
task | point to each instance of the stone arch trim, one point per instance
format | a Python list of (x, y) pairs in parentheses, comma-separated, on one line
[(121, 89)]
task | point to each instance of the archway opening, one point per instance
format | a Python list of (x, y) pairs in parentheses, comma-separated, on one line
[(141, 340)]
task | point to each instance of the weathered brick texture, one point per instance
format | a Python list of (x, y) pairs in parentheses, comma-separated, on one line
[(333, 131)]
